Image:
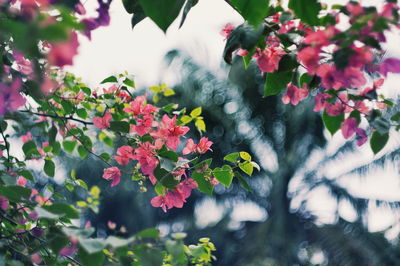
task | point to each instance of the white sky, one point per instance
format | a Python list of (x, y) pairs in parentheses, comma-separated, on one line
[(116, 48)]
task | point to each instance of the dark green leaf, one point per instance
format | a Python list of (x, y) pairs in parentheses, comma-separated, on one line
[(378, 141), (15, 193), (162, 12), (82, 152), (204, 185), (110, 79), (306, 10), (253, 11), (332, 123), (90, 259), (149, 233), (129, 82), (165, 177), (120, 126), (242, 181), (49, 168), (189, 4), (276, 82)]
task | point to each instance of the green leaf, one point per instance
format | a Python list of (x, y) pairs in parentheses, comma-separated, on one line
[(224, 175), (378, 141), (69, 145), (129, 82), (90, 259), (15, 193), (254, 11), (105, 156), (245, 156), (233, 157), (148, 256), (110, 79), (242, 181), (82, 152), (149, 233), (67, 107), (120, 126), (332, 123), (204, 185), (82, 113), (247, 167), (162, 12), (27, 174), (165, 177), (276, 82), (305, 78), (189, 4), (49, 168), (306, 10), (165, 153), (62, 209), (195, 112), (30, 149), (42, 213), (200, 125), (167, 164)]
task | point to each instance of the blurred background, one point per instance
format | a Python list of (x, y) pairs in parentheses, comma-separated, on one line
[(317, 201)]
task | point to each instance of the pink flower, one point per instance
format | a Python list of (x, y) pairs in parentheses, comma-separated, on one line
[(361, 136), (159, 201), (349, 127), (143, 125), (24, 65), (329, 76), (10, 97), (69, 250), (319, 37), (186, 186), (309, 57), (268, 60), (102, 122), (390, 65), (226, 31), (320, 101), (48, 85), (145, 154), (111, 90), (26, 138), (294, 95), (62, 53), (124, 153), (171, 132), (355, 9), (3, 203), (114, 174), (361, 56), (203, 146), (35, 258), (242, 52), (21, 181), (139, 107)]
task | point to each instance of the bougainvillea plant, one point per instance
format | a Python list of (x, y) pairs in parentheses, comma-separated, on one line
[(46, 112), (333, 53)]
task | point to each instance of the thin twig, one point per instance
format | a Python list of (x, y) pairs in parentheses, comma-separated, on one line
[(59, 117)]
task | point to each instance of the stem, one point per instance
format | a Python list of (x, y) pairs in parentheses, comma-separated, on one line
[(7, 147), (59, 117)]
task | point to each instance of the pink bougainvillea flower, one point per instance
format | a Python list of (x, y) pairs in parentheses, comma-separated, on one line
[(294, 95), (21, 181), (35, 258), (203, 146), (102, 122), (171, 132), (10, 97), (143, 125), (145, 154), (390, 65), (329, 76), (24, 65), (355, 9), (348, 127), (159, 201), (361, 136), (175, 198), (186, 187), (111, 90), (360, 57), (124, 153), (62, 53), (114, 174), (111, 225), (69, 250), (309, 57), (320, 101), (48, 85), (242, 52), (27, 137), (79, 8), (3, 203), (226, 31), (351, 77), (268, 60)]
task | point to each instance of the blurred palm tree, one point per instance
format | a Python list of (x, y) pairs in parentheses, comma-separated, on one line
[(289, 143)]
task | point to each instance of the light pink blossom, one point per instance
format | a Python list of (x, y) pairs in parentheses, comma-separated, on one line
[(102, 122), (294, 95), (114, 174)]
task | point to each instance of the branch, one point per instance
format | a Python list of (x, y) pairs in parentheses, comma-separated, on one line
[(7, 147), (59, 117)]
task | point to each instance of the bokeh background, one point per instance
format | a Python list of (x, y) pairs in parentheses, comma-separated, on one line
[(318, 200)]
